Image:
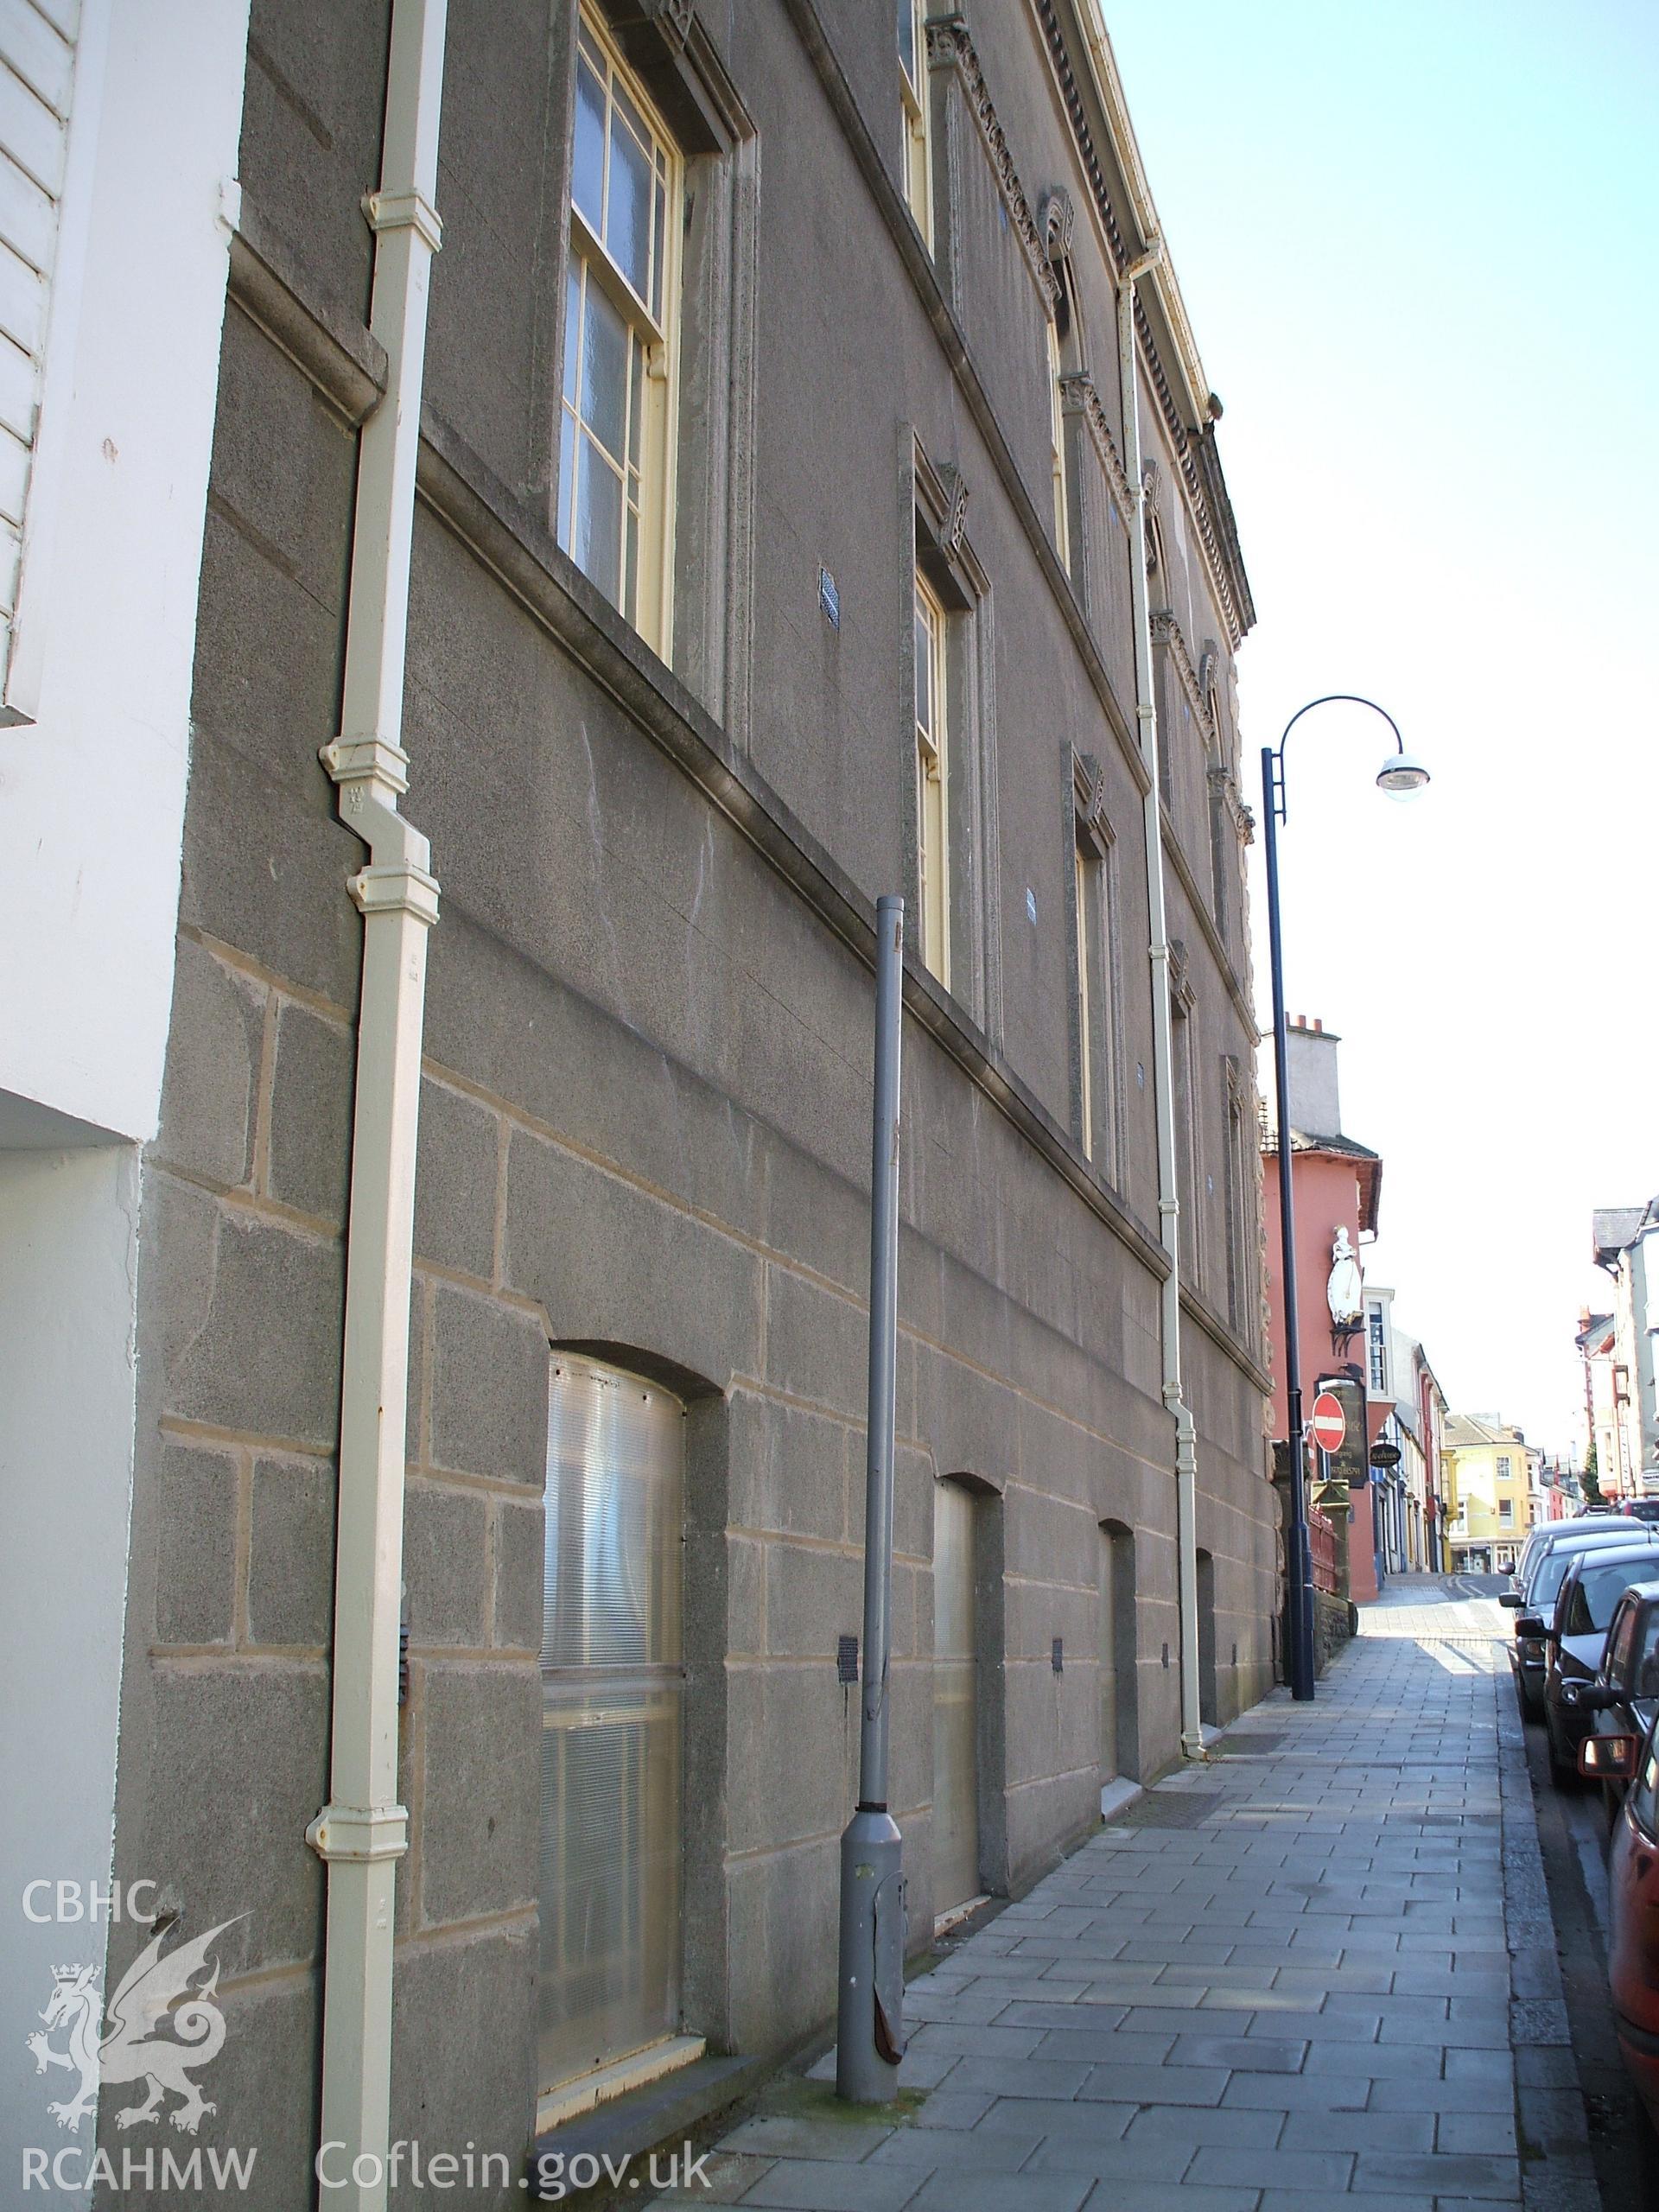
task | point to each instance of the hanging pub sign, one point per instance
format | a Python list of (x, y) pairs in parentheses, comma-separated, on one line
[(1347, 1462), (1385, 1454)]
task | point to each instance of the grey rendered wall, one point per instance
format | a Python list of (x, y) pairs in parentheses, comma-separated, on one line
[(644, 1125)]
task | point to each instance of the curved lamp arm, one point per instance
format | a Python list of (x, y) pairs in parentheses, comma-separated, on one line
[(1275, 760)]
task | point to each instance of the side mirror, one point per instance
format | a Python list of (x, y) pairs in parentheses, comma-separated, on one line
[(1603, 1757), (1531, 1624), (1590, 1697), (1512, 1598)]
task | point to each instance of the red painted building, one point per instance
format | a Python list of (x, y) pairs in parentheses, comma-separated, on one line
[(1337, 1182)]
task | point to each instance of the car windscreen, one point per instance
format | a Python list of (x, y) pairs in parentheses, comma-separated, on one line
[(1551, 1571), (1590, 1612)]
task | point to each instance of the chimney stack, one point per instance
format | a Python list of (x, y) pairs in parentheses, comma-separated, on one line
[(1315, 1107)]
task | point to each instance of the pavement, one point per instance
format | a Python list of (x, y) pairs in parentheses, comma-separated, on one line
[(1317, 1969)]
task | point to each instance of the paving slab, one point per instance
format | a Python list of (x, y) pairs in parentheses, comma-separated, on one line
[(1281, 1981)]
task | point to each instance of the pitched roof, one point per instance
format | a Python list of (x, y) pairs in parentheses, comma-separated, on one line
[(1465, 1431), (1614, 1228), (1369, 1165)]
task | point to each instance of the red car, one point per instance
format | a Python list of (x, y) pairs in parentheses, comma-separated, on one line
[(1633, 1887)]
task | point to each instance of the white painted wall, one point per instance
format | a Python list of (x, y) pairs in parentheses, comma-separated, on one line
[(69, 1246), (92, 792), (92, 771)]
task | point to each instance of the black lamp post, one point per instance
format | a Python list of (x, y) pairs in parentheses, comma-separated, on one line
[(1399, 772)]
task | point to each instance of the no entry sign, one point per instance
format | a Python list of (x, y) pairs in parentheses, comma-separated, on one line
[(1328, 1425)]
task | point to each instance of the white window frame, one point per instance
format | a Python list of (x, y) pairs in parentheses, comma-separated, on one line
[(653, 325)]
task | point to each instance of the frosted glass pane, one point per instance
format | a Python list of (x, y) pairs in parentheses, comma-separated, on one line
[(628, 230), (610, 1718), (567, 473), (587, 166), (572, 327), (598, 548), (610, 1877), (604, 370), (908, 39), (611, 1580)]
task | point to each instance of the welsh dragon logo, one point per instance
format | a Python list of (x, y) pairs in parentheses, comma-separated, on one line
[(128, 2049)]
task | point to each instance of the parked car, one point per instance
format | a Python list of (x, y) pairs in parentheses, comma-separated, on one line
[(1643, 1508), (1547, 1566), (1623, 1700), (1633, 1933), (1548, 1535), (1576, 1638)]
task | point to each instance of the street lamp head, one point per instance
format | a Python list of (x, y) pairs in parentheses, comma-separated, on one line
[(1400, 775)]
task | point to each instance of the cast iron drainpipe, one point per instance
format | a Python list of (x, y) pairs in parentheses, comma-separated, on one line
[(362, 1832), (1163, 1073)]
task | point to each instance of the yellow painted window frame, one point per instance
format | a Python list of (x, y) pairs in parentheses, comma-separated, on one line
[(932, 769), (658, 335), (918, 138)]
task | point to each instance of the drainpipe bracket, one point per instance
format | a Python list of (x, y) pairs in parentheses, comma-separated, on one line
[(368, 759), (405, 210), (362, 1833), (399, 888)]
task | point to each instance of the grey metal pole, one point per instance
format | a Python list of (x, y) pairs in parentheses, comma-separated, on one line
[(869, 2040), (1299, 1564)]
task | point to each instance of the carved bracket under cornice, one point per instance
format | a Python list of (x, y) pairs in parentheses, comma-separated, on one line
[(949, 46), (1166, 632), (953, 523), (1079, 397), (1089, 791), (1225, 784), (1057, 215), (942, 521)]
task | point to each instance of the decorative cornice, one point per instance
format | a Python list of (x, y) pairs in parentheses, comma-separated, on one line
[(949, 46), (1166, 632), (1078, 396), (1216, 531), (1221, 571)]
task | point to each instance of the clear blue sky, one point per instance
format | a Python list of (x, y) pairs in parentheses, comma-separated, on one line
[(1418, 247)]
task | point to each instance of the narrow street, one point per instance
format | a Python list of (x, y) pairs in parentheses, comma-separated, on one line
[(1320, 1969)]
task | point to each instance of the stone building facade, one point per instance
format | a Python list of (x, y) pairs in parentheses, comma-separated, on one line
[(665, 736)]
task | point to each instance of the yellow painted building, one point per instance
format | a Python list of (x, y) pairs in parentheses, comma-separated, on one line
[(1493, 1490)]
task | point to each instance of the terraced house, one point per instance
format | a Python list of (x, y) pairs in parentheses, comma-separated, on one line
[(678, 472)]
